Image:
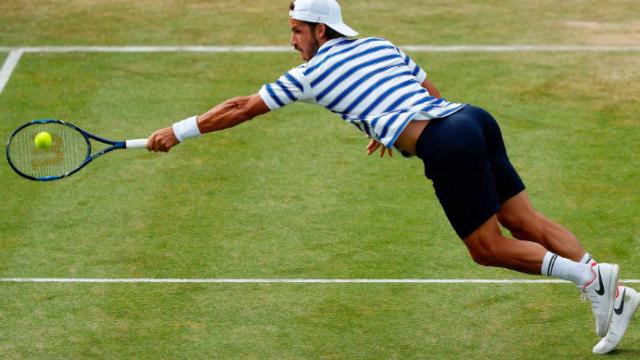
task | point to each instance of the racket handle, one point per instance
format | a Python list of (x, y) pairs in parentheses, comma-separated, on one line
[(136, 144)]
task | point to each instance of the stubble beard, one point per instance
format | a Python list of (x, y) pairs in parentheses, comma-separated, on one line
[(315, 45)]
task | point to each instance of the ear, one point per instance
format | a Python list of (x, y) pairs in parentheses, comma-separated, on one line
[(320, 31)]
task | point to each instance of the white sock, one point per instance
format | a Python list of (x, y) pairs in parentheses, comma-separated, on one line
[(565, 269), (586, 259)]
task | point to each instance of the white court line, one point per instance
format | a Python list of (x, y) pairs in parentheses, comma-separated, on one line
[(8, 67), (416, 48), (522, 48), (154, 49), (16, 52), (291, 281)]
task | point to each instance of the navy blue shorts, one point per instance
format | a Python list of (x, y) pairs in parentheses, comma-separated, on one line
[(465, 157)]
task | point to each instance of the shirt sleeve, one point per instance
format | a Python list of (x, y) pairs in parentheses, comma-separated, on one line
[(290, 87), (420, 74)]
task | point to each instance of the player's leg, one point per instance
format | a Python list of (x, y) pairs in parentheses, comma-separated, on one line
[(516, 211), (456, 153), (524, 222), (518, 215), (489, 247)]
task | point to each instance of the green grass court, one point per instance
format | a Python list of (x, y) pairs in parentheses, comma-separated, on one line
[(294, 195)]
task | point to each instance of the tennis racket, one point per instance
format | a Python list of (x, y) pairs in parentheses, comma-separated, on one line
[(65, 152)]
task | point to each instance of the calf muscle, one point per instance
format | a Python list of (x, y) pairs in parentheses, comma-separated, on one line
[(525, 223), (489, 247)]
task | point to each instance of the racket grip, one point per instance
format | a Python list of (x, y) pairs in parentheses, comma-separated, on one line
[(136, 144)]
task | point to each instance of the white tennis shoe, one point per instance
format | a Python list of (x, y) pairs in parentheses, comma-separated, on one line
[(601, 291), (626, 304)]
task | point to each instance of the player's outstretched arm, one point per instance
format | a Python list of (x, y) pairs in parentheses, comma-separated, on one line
[(228, 114)]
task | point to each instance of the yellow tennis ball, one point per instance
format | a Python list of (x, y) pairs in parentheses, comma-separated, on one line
[(43, 140)]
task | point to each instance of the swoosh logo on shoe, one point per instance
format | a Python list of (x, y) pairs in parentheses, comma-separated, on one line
[(621, 308), (600, 291)]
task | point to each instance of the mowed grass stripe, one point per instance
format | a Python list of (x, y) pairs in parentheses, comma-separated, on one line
[(233, 22), (297, 321), (292, 194), (289, 49), (295, 281)]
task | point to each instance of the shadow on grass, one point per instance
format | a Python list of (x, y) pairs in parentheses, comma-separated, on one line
[(627, 353)]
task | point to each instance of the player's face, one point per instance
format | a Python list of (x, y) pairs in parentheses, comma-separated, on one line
[(303, 39)]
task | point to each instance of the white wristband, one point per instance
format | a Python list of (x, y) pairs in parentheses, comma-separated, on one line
[(186, 128)]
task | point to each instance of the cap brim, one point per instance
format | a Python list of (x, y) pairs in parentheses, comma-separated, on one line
[(343, 29)]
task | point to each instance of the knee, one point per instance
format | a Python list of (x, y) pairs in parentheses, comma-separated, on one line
[(485, 251), (482, 258), (524, 228)]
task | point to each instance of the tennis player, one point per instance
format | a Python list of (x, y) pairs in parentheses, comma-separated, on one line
[(373, 85)]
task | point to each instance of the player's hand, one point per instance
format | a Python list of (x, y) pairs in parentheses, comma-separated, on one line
[(374, 145), (162, 140)]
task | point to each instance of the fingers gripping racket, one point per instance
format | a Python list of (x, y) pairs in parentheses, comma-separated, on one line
[(46, 150)]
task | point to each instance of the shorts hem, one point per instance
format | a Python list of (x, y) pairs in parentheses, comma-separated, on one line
[(466, 231)]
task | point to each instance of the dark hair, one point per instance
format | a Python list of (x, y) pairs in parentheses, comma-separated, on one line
[(329, 32)]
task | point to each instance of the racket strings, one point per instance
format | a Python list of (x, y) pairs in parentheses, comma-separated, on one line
[(67, 152)]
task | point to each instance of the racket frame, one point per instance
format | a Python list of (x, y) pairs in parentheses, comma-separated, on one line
[(115, 145)]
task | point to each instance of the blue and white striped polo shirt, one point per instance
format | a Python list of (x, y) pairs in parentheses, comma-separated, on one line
[(369, 82)]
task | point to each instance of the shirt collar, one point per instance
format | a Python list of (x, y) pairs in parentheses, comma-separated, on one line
[(330, 43)]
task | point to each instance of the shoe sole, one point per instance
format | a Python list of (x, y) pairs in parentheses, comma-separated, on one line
[(633, 304), (613, 287)]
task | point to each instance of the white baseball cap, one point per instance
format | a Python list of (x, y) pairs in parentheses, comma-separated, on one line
[(321, 11)]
